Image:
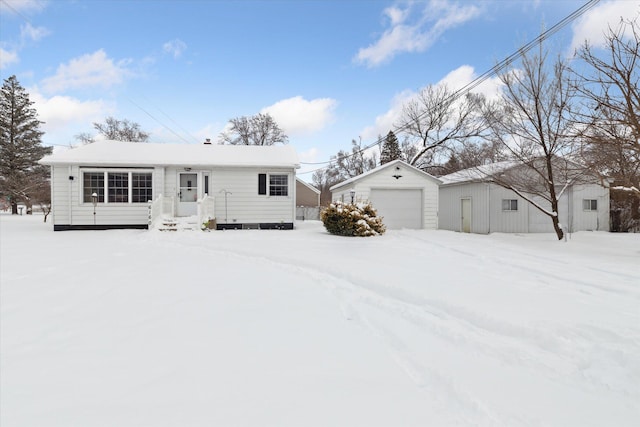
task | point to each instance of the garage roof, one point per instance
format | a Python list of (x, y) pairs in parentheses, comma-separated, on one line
[(383, 167)]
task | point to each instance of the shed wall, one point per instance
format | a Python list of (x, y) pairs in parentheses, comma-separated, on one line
[(489, 217)]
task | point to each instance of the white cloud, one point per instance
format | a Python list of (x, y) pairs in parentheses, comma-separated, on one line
[(59, 111), (175, 48), (29, 32), (431, 22), (7, 58), (298, 116), (396, 15), (594, 23), (64, 116), (386, 121), (456, 79), (94, 69)]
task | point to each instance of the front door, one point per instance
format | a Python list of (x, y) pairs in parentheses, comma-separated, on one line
[(187, 193), (466, 215)]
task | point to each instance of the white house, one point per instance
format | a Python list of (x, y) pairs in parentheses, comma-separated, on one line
[(403, 195), (471, 203), (238, 186)]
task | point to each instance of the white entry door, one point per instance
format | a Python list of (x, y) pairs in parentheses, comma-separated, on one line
[(187, 193), (466, 215)]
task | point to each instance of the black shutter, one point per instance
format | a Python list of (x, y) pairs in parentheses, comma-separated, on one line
[(262, 183)]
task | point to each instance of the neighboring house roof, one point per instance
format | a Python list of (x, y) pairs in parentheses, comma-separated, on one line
[(118, 153), (307, 185), (383, 167)]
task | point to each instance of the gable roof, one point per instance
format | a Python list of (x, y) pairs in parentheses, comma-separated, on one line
[(119, 153), (381, 168), (309, 186)]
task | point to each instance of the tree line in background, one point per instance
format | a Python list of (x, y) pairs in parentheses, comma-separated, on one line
[(560, 124)]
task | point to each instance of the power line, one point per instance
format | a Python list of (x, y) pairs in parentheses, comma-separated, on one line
[(480, 79), (158, 121)]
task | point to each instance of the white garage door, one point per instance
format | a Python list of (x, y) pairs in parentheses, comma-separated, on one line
[(401, 208)]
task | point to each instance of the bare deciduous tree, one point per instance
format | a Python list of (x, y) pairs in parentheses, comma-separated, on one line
[(437, 118), (612, 87), (117, 130), (610, 122), (344, 165), (261, 129), (534, 127)]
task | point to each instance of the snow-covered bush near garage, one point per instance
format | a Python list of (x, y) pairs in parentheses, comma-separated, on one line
[(352, 219)]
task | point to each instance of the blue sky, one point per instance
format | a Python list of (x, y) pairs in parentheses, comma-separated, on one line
[(327, 71)]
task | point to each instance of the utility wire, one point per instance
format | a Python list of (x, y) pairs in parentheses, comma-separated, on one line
[(158, 121), (478, 80)]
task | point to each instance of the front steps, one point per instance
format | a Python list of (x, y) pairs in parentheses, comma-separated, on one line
[(179, 224)]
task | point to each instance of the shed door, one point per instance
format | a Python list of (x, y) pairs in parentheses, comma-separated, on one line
[(466, 215), (400, 208)]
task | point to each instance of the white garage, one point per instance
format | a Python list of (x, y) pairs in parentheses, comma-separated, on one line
[(404, 196)]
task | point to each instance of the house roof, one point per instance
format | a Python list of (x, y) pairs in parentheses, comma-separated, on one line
[(119, 153), (381, 168), (309, 186)]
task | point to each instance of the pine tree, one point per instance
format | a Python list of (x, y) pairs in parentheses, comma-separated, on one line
[(390, 149), (21, 177)]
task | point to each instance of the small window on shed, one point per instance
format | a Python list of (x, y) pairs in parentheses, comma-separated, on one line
[(509, 204), (590, 204), (262, 183)]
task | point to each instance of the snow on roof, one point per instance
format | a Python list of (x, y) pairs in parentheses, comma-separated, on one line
[(379, 168), (119, 153), (478, 173)]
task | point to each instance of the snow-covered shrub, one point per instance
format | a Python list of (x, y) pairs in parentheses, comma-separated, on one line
[(357, 219)]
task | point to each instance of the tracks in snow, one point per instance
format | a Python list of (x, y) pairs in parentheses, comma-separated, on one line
[(414, 327)]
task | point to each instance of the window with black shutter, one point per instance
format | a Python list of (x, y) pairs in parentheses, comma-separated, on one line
[(262, 183)]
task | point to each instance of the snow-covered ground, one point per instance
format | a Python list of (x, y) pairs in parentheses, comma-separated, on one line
[(301, 328)]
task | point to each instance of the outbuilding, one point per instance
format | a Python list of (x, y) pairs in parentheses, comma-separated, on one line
[(471, 202), (403, 195), (114, 184)]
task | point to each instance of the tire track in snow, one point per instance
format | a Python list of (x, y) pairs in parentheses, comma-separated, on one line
[(555, 358)]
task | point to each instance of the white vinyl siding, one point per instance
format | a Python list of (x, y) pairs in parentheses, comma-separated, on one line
[(244, 205), (70, 208)]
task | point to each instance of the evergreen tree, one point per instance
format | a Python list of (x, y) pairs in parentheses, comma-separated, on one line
[(21, 177), (390, 149)]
